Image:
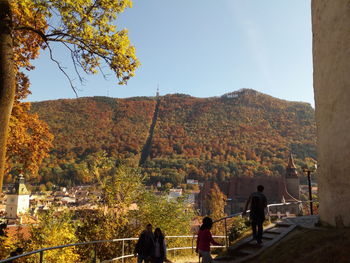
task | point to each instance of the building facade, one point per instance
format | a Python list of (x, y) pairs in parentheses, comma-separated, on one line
[(285, 188), (17, 199)]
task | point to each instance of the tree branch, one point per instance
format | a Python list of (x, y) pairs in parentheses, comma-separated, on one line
[(95, 4), (62, 70), (37, 31), (74, 59)]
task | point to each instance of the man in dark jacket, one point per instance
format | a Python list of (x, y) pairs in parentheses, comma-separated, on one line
[(145, 245), (258, 203)]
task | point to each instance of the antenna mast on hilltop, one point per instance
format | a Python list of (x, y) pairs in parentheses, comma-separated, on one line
[(157, 94)]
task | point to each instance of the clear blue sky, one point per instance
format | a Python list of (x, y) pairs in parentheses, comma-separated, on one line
[(203, 48)]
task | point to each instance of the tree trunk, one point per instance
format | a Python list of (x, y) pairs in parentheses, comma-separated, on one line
[(7, 80)]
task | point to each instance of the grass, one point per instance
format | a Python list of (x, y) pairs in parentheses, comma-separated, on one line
[(302, 245), (184, 259), (188, 257)]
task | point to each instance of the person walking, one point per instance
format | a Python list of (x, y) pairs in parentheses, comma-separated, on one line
[(258, 203), (204, 239), (159, 255), (145, 245)]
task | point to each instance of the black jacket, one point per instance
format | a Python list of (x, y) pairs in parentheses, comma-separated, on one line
[(258, 203), (145, 244)]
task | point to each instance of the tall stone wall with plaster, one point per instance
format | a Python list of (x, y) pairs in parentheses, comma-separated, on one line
[(331, 59)]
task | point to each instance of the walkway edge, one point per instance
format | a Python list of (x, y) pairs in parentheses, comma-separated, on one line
[(268, 244)]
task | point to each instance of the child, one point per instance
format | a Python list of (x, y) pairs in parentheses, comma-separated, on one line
[(204, 239)]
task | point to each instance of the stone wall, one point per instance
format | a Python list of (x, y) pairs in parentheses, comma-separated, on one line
[(331, 59)]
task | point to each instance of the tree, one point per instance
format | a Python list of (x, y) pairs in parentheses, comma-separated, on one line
[(98, 164), (112, 217), (7, 244), (125, 209), (216, 205), (122, 189), (174, 217), (84, 27), (29, 140), (53, 229)]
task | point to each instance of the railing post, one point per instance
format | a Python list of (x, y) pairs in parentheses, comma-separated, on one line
[(41, 256), (226, 241), (310, 192), (95, 253), (123, 251)]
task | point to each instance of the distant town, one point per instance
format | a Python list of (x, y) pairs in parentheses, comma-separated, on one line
[(21, 206)]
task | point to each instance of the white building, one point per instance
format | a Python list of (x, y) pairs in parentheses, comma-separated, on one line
[(17, 199), (174, 193)]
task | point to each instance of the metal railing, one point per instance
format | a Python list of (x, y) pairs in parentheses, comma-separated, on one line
[(225, 222), (123, 256), (268, 214), (286, 204), (168, 249), (40, 252)]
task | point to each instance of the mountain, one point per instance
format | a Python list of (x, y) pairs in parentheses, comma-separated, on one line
[(173, 137)]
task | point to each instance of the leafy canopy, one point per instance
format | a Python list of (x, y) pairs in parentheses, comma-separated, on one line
[(29, 138), (86, 28), (53, 229)]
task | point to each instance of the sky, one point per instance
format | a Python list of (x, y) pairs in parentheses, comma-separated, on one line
[(203, 48)]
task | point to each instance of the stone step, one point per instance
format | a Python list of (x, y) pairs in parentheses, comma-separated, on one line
[(248, 248), (267, 237), (234, 255), (283, 225), (246, 251), (252, 245), (272, 232)]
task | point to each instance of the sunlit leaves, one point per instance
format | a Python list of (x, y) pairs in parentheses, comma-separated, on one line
[(86, 28), (54, 229), (88, 31), (29, 142), (29, 138)]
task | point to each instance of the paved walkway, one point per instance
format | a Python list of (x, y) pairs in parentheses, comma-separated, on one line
[(304, 221), (247, 248)]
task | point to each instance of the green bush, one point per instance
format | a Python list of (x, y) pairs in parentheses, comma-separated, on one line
[(238, 227)]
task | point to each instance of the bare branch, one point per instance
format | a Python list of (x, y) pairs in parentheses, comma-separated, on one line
[(62, 70), (76, 51), (80, 43), (74, 59), (102, 72)]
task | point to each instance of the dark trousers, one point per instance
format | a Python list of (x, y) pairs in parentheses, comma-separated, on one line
[(143, 258), (257, 227), (158, 260)]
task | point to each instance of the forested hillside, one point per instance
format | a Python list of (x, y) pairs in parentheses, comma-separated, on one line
[(244, 133)]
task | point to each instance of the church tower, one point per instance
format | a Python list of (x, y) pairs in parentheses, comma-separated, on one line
[(17, 199), (292, 179)]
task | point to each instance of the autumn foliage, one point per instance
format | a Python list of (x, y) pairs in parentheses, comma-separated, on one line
[(88, 32), (29, 138), (245, 133)]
